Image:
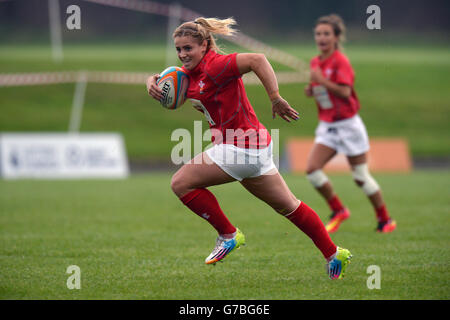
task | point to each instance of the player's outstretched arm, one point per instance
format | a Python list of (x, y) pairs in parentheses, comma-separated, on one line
[(259, 64)]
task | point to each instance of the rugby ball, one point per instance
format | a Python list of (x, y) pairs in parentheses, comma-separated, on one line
[(174, 83)]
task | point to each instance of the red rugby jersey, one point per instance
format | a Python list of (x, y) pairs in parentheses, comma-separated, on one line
[(338, 69), (216, 89)]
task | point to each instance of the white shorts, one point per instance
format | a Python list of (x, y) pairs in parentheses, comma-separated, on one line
[(242, 163), (347, 136)]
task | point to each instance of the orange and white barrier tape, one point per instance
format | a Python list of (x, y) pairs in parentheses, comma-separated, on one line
[(139, 78), (24, 79)]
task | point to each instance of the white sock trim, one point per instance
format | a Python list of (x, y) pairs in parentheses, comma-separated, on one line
[(330, 258), (228, 236), (288, 214)]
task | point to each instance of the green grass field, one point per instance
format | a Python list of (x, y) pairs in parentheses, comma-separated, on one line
[(132, 239), (403, 91)]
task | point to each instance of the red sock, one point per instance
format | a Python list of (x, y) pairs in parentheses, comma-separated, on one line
[(382, 214), (204, 204), (335, 204), (309, 222)]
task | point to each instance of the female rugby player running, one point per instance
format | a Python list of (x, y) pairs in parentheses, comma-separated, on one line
[(340, 128), (242, 147)]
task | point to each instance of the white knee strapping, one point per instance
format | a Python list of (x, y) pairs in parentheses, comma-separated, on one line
[(317, 178), (361, 174)]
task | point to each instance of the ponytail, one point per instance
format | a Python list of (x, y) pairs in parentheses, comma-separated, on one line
[(205, 28)]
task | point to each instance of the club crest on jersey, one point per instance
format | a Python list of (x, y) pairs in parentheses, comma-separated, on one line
[(328, 73), (201, 84)]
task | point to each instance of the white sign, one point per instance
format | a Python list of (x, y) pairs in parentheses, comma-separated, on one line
[(62, 155)]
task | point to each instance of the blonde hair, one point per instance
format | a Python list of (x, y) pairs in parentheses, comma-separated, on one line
[(205, 28), (337, 23)]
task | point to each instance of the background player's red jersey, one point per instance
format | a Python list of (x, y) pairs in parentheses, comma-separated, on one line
[(338, 69), (216, 89)]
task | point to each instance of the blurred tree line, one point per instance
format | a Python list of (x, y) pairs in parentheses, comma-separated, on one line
[(259, 18)]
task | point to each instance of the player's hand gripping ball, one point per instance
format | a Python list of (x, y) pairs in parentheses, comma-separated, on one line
[(173, 82)]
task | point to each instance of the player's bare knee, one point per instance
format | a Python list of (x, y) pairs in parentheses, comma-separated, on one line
[(178, 185)]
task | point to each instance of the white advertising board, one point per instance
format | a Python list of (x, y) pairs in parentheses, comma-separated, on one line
[(62, 155)]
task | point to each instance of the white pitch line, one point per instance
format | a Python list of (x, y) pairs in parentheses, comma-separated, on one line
[(55, 30), (78, 103)]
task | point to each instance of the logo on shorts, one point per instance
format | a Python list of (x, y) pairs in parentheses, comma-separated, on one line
[(332, 130)]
